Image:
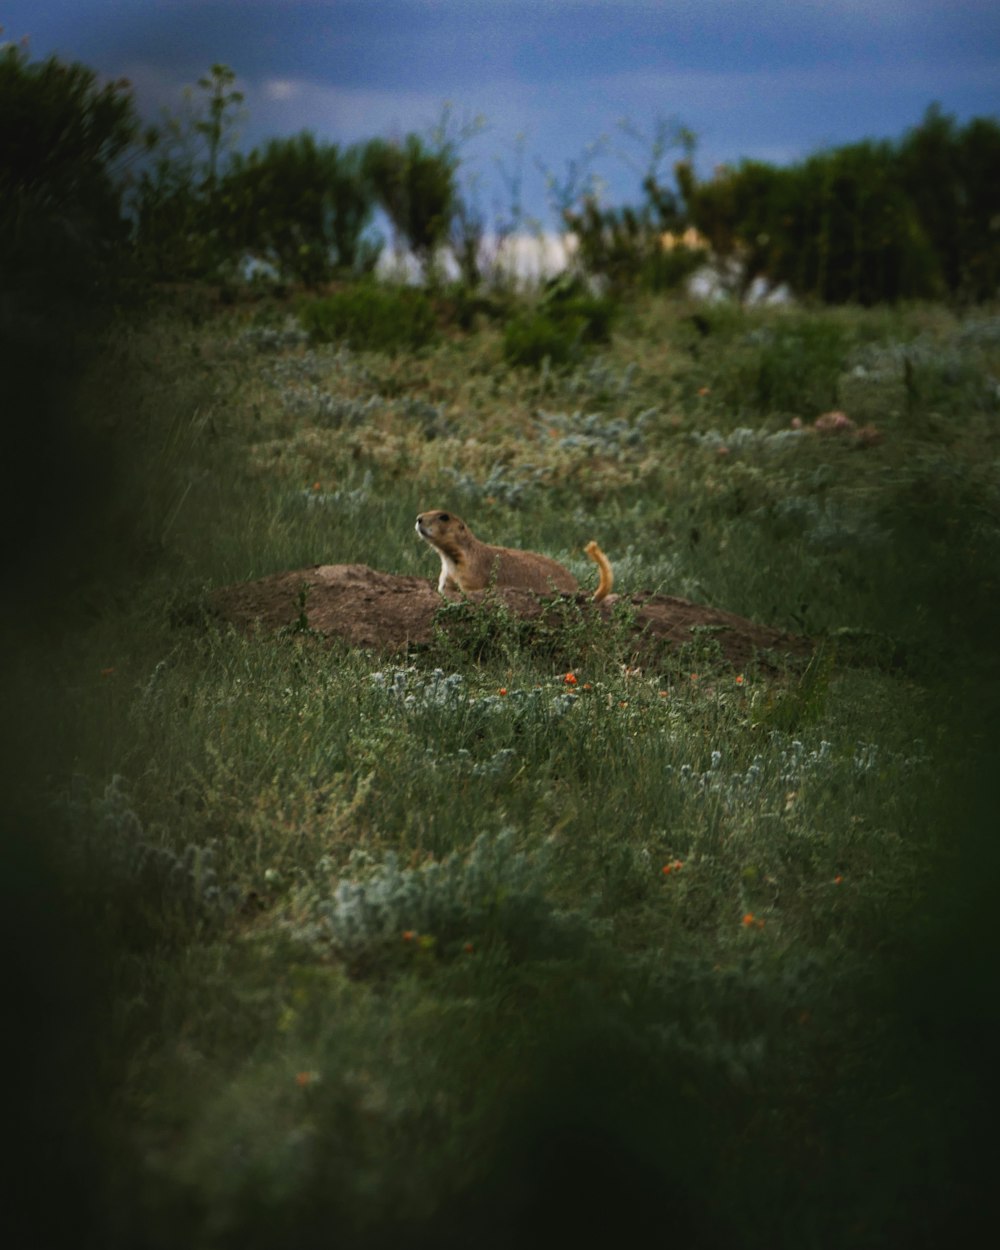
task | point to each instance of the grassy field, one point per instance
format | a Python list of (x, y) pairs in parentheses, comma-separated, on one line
[(484, 944)]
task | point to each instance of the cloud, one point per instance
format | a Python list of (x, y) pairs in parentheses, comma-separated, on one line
[(281, 105), (280, 89), (348, 113)]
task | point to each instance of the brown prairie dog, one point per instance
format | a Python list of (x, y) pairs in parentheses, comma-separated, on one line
[(468, 564)]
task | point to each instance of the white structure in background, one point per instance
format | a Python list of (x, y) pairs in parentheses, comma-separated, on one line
[(718, 281), (526, 260), (521, 259)]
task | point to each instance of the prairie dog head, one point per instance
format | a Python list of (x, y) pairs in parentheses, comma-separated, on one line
[(444, 530)]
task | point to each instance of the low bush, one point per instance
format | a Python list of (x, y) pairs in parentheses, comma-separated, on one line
[(372, 318), (558, 329)]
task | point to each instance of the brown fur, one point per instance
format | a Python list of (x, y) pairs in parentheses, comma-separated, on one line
[(469, 565)]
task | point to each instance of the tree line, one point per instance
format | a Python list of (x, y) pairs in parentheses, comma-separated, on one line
[(91, 197)]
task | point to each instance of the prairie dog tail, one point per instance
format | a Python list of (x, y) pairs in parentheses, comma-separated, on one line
[(607, 575)]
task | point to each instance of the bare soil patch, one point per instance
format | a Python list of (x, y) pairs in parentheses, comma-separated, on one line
[(383, 612)]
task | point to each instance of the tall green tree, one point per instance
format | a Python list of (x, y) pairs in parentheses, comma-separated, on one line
[(65, 143), (415, 185), (837, 227), (870, 221), (979, 155), (302, 205), (952, 176)]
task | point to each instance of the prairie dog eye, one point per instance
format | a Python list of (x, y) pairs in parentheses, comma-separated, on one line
[(443, 516)]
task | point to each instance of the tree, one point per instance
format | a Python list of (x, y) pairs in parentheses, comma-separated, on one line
[(65, 146), (952, 176), (303, 206), (415, 185), (838, 226), (635, 244), (175, 205), (223, 108), (979, 161), (64, 143)]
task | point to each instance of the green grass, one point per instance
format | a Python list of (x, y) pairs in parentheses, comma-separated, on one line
[(383, 950)]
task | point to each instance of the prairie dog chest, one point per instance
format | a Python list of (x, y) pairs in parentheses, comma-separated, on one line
[(450, 571), (451, 539)]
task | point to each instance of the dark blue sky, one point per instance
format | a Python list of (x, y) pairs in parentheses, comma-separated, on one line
[(772, 79)]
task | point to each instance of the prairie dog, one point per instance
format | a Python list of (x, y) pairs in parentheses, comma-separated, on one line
[(468, 564)]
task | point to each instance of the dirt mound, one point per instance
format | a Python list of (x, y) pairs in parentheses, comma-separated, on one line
[(386, 613)]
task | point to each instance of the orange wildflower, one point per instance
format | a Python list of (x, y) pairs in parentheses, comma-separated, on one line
[(748, 919), (704, 390), (107, 672), (739, 679), (838, 880), (667, 869), (469, 948), (502, 690), (306, 1078), (409, 935), (570, 679)]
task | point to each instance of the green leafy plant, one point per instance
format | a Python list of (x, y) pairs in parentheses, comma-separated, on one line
[(494, 893), (372, 318), (565, 321)]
